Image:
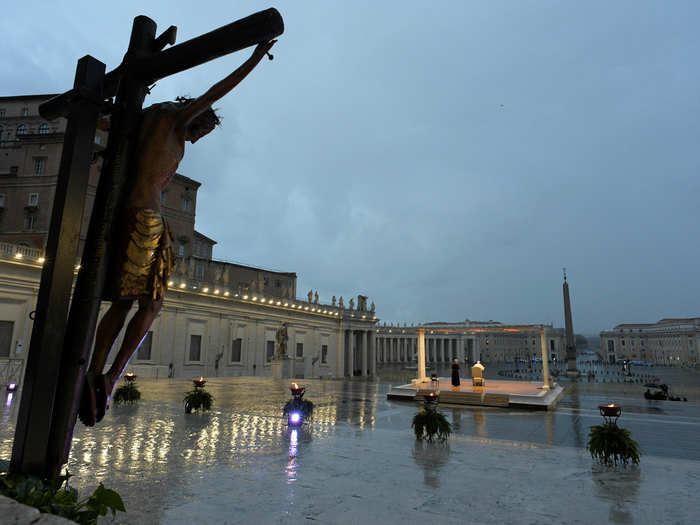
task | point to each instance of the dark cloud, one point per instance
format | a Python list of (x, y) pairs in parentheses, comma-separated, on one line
[(446, 159)]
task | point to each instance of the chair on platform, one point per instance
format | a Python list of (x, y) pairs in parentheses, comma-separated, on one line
[(478, 374), (434, 381)]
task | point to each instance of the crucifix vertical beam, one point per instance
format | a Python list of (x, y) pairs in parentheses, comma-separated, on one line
[(61, 340), (29, 451), (85, 307)]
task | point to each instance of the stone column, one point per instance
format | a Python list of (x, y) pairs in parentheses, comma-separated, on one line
[(545, 363), (350, 349), (340, 363), (373, 353), (421, 353), (365, 362)]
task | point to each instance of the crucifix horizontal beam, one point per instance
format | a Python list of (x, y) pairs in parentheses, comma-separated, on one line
[(249, 31)]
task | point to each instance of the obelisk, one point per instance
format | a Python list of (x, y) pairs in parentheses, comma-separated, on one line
[(571, 369)]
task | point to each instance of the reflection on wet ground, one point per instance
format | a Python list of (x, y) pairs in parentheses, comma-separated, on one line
[(242, 461)]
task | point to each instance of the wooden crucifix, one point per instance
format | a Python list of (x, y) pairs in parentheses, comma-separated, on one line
[(54, 387)]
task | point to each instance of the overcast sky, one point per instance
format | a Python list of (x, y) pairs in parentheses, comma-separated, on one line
[(446, 161)]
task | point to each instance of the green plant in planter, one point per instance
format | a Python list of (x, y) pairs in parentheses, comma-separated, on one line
[(198, 399), (128, 393), (610, 445), (429, 422), (48, 497)]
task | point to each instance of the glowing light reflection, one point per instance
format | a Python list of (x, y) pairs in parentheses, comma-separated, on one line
[(293, 448)]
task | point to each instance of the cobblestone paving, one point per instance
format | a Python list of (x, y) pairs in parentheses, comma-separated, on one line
[(358, 462)]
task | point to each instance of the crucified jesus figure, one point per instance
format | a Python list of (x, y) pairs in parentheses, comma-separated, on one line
[(143, 257)]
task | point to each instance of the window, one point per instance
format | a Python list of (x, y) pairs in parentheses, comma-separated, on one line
[(2, 112), (33, 199), (6, 337), (181, 249), (324, 354), (43, 128), (236, 346), (39, 165), (2, 200), (21, 129), (0, 133), (144, 351), (195, 347), (623, 342), (200, 271), (300, 349), (186, 204), (270, 350), (30, 221), (25, 112), (162, 198)]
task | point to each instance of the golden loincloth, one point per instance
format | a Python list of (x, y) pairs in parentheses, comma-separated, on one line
[(145, 258)]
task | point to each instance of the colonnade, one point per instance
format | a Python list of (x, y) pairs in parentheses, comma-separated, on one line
[(403, 348), (358, 352)]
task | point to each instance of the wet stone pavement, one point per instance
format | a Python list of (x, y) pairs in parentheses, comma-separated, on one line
[(358, 462)]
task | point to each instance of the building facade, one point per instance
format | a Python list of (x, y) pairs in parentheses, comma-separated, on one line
[(671, 342), (204, 330), (30, 154), (489, 342)]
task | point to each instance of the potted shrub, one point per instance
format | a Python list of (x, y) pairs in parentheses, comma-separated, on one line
[(128, 393), (198, 399), (610, 444), (429, 422)]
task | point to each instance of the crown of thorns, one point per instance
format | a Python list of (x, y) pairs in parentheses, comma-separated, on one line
[(207, 116)]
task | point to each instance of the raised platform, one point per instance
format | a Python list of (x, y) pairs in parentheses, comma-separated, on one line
[(495, 393)]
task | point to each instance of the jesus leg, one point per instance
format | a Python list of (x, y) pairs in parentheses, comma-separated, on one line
[(136, 330), (107, 332)]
